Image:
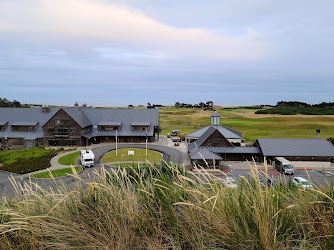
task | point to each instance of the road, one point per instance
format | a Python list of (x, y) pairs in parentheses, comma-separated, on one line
[(6, 188)]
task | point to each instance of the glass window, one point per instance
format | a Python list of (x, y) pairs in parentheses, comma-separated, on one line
[(57, 122), (29, 128), (51, 130), (66, 122)]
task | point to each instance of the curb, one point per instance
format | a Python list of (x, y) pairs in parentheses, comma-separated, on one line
[(308, 169), (275, 173), (12, 173)]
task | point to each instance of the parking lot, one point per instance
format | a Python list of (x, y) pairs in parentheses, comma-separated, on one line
[(318, 178)]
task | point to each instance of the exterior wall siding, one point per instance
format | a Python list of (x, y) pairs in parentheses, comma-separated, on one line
[(74, 130), (214, 138)]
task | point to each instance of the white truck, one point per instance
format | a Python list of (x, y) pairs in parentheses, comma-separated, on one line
[(283, 165), (87, 158)]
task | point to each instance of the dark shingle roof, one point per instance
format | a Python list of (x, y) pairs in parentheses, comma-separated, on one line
[(140, 123), (24, 123), (228, 133), (79, 115), (209, 132), (296, 147), (25, 116), (109, 124), (234, 150), (201, 153), (148, 117)]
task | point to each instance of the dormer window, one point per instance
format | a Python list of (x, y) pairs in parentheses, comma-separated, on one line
[(24, 126), (109, 126), (3, 125), (140, 126)]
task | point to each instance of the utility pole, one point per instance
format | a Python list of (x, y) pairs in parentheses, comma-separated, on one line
[(116, 142)]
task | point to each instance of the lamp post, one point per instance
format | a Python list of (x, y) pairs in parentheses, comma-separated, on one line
[(116, 142), (146, 142)]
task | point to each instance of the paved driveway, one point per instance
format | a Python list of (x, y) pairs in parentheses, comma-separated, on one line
[(169, 155)]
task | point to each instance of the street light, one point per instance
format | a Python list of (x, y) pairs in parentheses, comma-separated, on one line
[(146, 142)]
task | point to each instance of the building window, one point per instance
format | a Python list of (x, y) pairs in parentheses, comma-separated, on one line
[(102, 128), (15, 128), (66, 122), (135, 128), (73, 130), (51, 130), (29, 128), (57, 122), (216, 143)]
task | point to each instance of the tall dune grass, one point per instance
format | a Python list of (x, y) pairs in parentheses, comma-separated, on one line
[(163, 206)]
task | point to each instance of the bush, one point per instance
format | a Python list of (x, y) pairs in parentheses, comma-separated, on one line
[(23, 161)]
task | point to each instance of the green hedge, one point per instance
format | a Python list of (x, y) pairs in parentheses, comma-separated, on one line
[(297, 110), (22, 161)]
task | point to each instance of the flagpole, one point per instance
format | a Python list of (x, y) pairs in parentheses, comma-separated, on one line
[(146, 142), (116, 142)]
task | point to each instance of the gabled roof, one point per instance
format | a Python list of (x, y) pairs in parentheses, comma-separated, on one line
[(201, 153), (296, 147), (207, 133), (228, 133), (78, 114)]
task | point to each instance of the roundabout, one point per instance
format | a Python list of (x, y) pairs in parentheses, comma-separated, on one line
[(131, 155)]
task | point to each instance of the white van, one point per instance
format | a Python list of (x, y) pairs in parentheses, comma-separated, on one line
[(283, 165), (87, 158)]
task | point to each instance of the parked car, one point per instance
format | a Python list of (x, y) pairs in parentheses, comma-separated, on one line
[(300, 181), (263, 183), (273, 182), (230, 182)]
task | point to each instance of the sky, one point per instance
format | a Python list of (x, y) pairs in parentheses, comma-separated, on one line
[(121, 52)]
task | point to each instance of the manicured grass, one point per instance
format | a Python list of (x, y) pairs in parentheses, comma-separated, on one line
[(69, 159), (140, 155), (23, 161), (56, 173), (245, 120)]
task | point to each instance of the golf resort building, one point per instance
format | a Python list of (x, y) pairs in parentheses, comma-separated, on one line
[(75, 126), (215, 144)]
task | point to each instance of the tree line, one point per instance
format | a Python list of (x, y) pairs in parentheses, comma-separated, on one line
[(206, 106), (4, 102)]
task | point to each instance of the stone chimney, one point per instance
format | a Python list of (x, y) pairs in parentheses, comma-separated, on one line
[(84, 105), (318, 133), (45, 108), (76, 104)]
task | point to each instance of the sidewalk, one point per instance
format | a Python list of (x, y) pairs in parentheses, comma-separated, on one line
[(54, 163)]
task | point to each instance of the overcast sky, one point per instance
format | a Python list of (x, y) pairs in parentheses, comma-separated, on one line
[(120, 52)]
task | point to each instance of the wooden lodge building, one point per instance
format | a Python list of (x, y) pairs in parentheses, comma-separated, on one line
[(215, 143), (75, 126)]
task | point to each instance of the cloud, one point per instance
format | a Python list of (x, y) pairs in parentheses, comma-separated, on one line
[(97, 21)]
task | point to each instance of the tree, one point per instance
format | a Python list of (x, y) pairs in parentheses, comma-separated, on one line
[(177, 105)]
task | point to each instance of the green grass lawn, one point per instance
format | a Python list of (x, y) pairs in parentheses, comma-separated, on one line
[(245, 120), (56, 173), (69, 159), (140, 155), (23, 161)]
